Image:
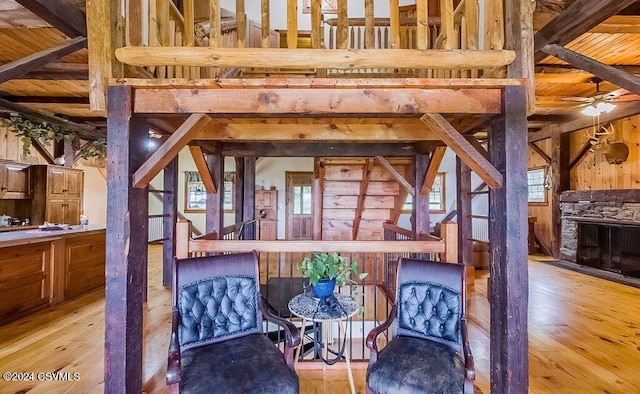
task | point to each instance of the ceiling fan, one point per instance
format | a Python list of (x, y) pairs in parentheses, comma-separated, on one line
[(602, 102)]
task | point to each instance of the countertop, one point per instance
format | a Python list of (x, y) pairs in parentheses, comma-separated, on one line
[(22, 237)]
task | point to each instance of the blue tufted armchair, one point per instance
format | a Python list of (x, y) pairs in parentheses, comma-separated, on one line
[(217, 343), (429, 350)]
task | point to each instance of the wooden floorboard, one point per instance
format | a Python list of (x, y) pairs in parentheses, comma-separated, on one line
[(583, 333)]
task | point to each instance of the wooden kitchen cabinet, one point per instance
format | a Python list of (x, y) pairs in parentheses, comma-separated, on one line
[(58, 194), (15, 181)]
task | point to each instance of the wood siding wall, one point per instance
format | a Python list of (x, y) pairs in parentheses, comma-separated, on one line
[(11, 149), (593, 172)]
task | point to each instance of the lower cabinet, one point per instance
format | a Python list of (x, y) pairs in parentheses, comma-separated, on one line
[(39, 274), (63, 211)]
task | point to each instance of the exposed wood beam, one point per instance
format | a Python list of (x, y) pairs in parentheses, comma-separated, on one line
[(560, 181), (61, 14), (540, 152), (364, 185), (608, 73), (478, 146), (168, 150), (396, 175), (623, 110), (318, 101), (432, 169), (314, 149), (577, 19), (567, 69), (47, 99), (59, 71), (201, 165), (581, 153), (313, 58), (469, 155), (42, 151), (84, 131), (22, 66), (317, 188)]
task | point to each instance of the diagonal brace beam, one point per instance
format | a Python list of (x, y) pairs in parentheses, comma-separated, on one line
[(396, 175), (467, 153), (432, 169), (170, 149), (203, 169), (64, 15)]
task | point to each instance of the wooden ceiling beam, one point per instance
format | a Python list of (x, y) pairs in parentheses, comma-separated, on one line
[(608, 73), (379, 133), (432, 169), (168, 150), (467, 153), (318, 101), (22, 66), (577, 19), (84, 131), (61, 14), (623, 110), (565, 69), (313, 58), (396, 175), (47, 99), (203, 169), (316, 149)]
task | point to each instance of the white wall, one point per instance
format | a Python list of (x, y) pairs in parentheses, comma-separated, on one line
[(94, 205)]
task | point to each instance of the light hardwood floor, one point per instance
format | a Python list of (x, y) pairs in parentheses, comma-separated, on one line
[(584, 337)]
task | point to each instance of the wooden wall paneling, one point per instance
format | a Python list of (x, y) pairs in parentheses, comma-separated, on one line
[(541, 211), (508, 249), (214, 216), (249, 194), (127, 210), (170, 210)]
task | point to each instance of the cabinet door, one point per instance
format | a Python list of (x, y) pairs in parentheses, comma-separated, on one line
[(17, 184), (56, 184), (72, 212), (55, 211), (73, 183)]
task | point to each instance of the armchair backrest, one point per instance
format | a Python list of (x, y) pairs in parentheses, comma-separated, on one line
[(429, 299), (217, 298)]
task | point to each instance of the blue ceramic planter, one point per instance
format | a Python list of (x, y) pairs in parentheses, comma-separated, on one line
[(324, 288)]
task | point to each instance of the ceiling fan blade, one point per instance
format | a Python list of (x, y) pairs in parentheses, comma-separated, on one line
[(625, 98), (615, 94), (578, 99)]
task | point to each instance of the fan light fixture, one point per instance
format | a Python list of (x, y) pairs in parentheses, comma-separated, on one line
[(598, 107)]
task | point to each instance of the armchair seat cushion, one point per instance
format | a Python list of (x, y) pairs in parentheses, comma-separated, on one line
[(414, 365), (249, 364)]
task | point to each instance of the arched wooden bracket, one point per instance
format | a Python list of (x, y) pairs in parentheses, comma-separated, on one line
[(463, 148), (168, 150)]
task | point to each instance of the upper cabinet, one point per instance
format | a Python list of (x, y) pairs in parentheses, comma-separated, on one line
[(15, 181), (64, 182), (58, 195)]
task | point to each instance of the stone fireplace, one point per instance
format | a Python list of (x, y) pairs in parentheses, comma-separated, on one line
[(601, 228)]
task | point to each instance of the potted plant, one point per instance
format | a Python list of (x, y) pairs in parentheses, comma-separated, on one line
[(325, 270)]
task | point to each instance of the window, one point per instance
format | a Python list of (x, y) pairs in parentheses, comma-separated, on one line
[(302, 200), (196, 195), (536, 184), (326, 6), (437, 199)]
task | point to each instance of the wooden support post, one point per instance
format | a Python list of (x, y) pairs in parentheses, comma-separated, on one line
[(394, 22), (241, 22), (292, 23), (317, 187), (449, 231), (214, 216), (465, 244), (170, 210), (214, 19), (560, 181), (69, 153), (264, 4), (127, 210), (342, 32), (420, 224), (183, 235), (239, 190), (249, 208), (316, 24), (369, 20), (508, 233), (189, 22)]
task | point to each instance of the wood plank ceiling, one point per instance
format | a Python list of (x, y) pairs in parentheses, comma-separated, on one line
[(61, 87)]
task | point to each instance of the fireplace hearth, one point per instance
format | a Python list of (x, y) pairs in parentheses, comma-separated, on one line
[(601, 229)]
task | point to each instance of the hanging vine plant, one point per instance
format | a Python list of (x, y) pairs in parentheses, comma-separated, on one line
[(97, 148), (28, 130)]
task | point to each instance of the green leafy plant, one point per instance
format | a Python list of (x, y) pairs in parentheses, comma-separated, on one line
[(28, 130), (97, 148), (329, 266)]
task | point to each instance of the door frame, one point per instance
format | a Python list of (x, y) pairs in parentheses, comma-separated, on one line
[(288, 205)]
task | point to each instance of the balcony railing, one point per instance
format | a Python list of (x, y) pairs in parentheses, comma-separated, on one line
[(280, 279)]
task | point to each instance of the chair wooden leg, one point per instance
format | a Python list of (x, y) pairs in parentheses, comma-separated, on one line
[(346, 358)]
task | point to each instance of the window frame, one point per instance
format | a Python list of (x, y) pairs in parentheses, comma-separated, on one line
[(229, 187), (408, 205), (545, 200)]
